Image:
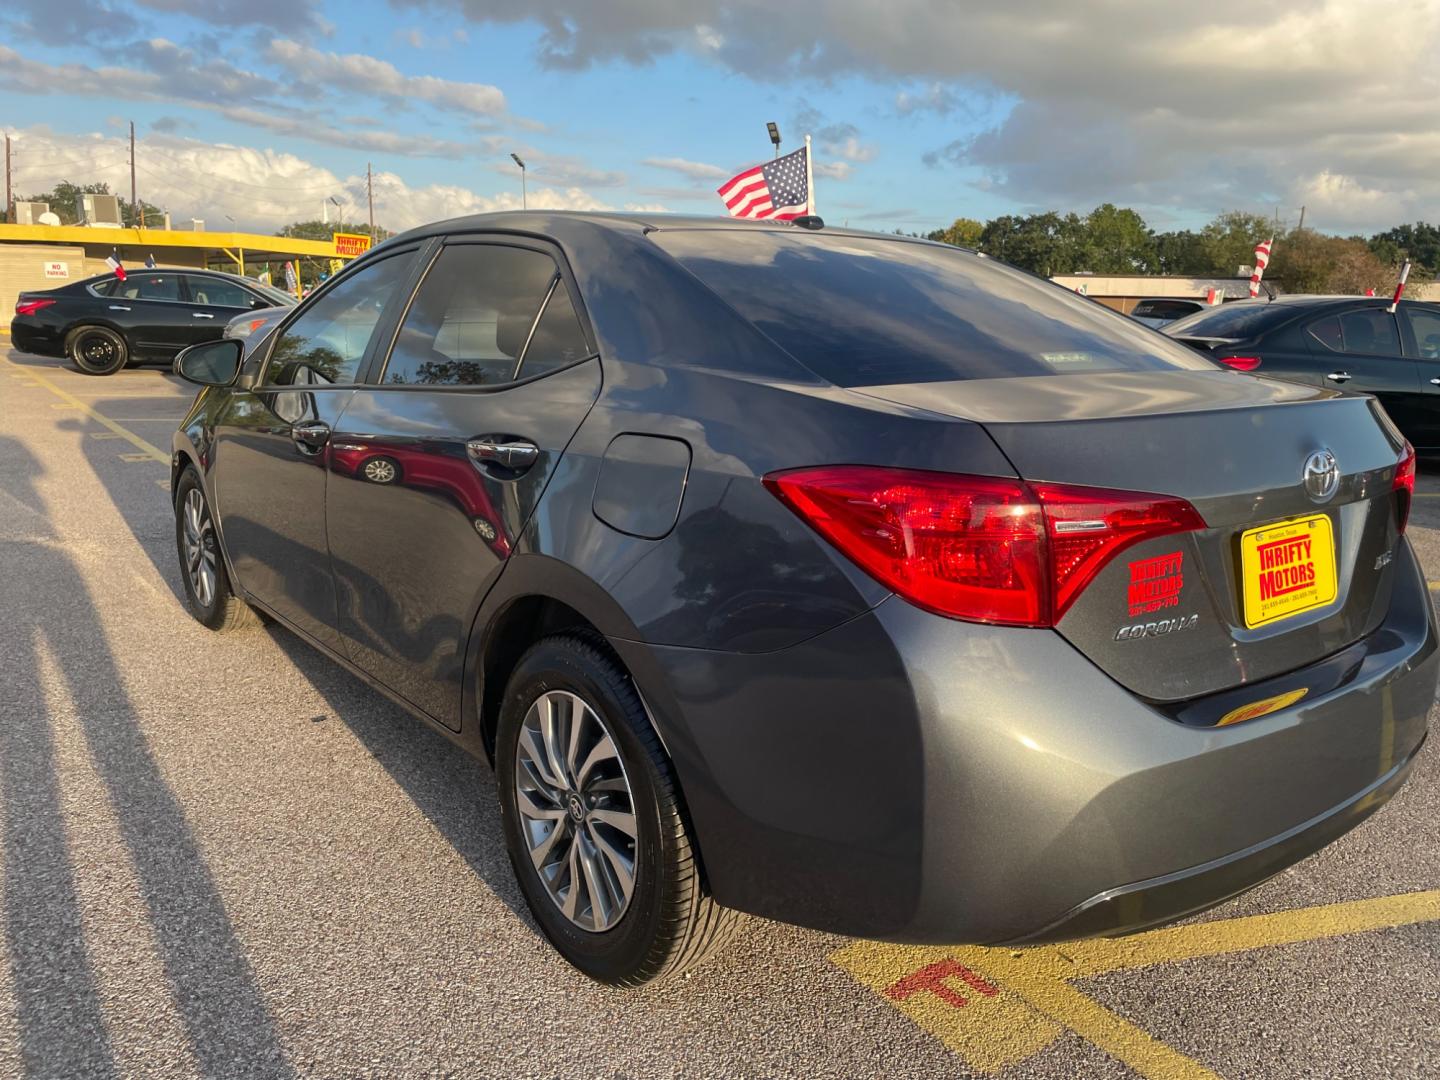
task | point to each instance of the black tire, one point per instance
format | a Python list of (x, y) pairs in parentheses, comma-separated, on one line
[(223, 610), (670, 922), (97, 350)]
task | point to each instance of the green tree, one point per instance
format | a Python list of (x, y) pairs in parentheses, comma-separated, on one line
[(1116, 241), (1229, 241), (1419, 242), (1045, 244), (62, 198), (963, 232), (1183, 254)]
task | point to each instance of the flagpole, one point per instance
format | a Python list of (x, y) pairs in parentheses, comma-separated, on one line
[(809, 180)]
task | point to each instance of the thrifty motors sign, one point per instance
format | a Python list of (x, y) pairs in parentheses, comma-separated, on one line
[(349, 245)]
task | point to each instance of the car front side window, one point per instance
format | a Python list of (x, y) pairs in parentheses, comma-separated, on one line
[(1425, 326), (327, 341), (471, 320)]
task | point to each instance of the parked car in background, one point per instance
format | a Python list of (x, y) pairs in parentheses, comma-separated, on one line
[(252, 326), (106, 322), (1338, 342), (1156, 313), (854, 581)]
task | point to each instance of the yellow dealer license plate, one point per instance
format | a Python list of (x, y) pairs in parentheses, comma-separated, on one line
[(1287, 568)]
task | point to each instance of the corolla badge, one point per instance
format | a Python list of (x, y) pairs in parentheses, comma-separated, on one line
[(1321, 475)]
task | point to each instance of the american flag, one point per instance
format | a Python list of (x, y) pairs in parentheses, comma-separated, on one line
[(777, 190)]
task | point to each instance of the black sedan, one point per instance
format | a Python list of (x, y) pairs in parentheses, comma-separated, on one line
[(1339, 342), (106, 322)]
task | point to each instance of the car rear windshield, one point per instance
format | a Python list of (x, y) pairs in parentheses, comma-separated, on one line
[(1241, 319), (866, 311)]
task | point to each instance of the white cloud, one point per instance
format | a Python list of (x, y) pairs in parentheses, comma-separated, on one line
[(370, 75), (1209, 106), (694, 170), (261, 189), (835, 170)]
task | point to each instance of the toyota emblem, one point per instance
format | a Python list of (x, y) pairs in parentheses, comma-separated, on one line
[(1321, 475)]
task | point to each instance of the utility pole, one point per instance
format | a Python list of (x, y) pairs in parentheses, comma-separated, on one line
[(134, 202), (370, 197), (1302, 220), (9, 199)]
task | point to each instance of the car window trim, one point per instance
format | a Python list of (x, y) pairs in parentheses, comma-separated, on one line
[(375, 376), (416, 253)]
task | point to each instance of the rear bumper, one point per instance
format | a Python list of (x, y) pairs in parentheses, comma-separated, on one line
[(1144, 904), (912, 778), (40, 340)]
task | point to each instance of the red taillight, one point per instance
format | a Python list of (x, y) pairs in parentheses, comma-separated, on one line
[(1240, 363), (1404, 485), (978, 548), (29, 307)]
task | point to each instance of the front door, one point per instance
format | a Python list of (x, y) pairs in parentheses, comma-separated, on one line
[(214, 301), (268, 472), (436, 466), (1423, 323)]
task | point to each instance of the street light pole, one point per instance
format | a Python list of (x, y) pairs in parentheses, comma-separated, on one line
[(524, 199), (774, 131)]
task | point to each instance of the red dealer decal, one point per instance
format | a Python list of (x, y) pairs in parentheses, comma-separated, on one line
[(1156, 583), (932, 979)]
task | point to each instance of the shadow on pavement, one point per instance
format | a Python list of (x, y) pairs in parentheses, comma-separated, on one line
[(58, 997), (455, 792)]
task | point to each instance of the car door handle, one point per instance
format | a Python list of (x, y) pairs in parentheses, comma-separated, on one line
[(201, 315), (310, 437), (518, 455), (1339, 376), (118, 307)]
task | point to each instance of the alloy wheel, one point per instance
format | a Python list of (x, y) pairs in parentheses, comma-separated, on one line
[(199, 536), (577, 812), (379, 471)]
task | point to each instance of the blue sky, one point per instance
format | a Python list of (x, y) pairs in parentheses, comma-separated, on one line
[(258, 109)]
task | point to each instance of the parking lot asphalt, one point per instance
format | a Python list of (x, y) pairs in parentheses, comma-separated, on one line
[(224, 856)]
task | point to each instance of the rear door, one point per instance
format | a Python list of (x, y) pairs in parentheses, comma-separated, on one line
[(1359, 349), (1421, 322), (436, 466), (214, 301), (150, 307)]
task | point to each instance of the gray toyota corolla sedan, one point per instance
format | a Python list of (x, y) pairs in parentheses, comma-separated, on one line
[(858, 582)]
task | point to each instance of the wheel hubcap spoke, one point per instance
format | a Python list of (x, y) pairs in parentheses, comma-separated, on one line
[(576, 810)]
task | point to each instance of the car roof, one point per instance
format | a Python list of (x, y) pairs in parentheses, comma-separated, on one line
[(557, 223)]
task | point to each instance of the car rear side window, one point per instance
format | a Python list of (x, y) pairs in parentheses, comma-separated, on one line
[(866, 311), (327, 340), (472, 317), (1327, 332), (1370, 332), (147, 287)]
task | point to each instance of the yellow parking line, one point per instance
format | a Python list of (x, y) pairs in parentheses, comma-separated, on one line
[(70, 401), (996, 1008)]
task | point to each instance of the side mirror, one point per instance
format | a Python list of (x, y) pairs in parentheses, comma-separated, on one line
[(211, 363)]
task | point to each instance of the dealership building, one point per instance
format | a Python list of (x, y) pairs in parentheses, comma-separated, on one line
[(48, 256)]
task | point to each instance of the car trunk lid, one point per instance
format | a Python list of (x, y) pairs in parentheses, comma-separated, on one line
[(1170, 618)]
